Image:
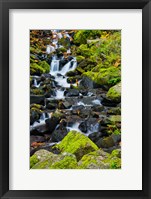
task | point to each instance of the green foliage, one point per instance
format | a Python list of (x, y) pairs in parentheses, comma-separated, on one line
[(45, 66), (39, 68), (81, 36)]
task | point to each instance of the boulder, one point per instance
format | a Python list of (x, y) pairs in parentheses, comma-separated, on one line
[(71, 93), (94, 160), (76, 143), (83, 127), (37, 99), (114, 93), (53, 121), (100, 160), (43, 159)]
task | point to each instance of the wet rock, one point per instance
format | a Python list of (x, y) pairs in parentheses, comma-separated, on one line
[(58, 135), (71, 93), (53, 121), (86, 82), (65, 105), (78, 107), (105, 142), (51, 106), (95, 136), (108, 102), (40, 128), (97, 108), (116, 138), (37, 99), (36, 139), (114, 111), (71, 73), (83, 127)]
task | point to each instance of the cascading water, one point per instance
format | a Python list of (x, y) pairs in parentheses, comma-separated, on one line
[(54, 66), (35, 82), (60, 94)]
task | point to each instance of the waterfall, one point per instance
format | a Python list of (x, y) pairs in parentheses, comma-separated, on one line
[(50, 49), (35, 82), (54, 66), (59, 94), (67, 67)]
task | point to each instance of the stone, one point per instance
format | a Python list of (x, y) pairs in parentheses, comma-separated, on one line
[(76, 143)]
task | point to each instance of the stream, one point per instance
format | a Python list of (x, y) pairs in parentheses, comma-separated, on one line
[(81, 109)]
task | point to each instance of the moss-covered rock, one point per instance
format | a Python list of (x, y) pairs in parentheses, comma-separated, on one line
[(106, 142), (45, 66), (115, 119), (38, 156), (114, 93), (113, 161), (76, 143), (94, 160), (105, 76), (53, 161), (39, 68)]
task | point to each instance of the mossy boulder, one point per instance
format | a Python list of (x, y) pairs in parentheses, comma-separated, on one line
[(106, 142), (53, 161), (39, 68), (115, 119), (114, 93), (94, 160), (76, 143), (39, 156), (114, 160), (105, 76), (45, 66)]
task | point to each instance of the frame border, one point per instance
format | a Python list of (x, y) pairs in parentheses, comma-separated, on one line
[(5, 5)]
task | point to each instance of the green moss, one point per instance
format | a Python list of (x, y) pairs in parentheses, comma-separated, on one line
[(107, 142), (39, 68), (115, 119), (114, 162), (116, 153), (94, 160), (114, 93), (37, 91), (76, 143), (34, 50), (53, 161), (57, 114), (33, 160), (35, 69), (68, 162), (79, 58), (104, 76), (45, 66)]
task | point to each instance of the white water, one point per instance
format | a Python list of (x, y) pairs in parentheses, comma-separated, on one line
[(59, 94), (41, 121), (93, 129), (97, 102), (50, 49), (74, 127), (36, 84), (54, 66)]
